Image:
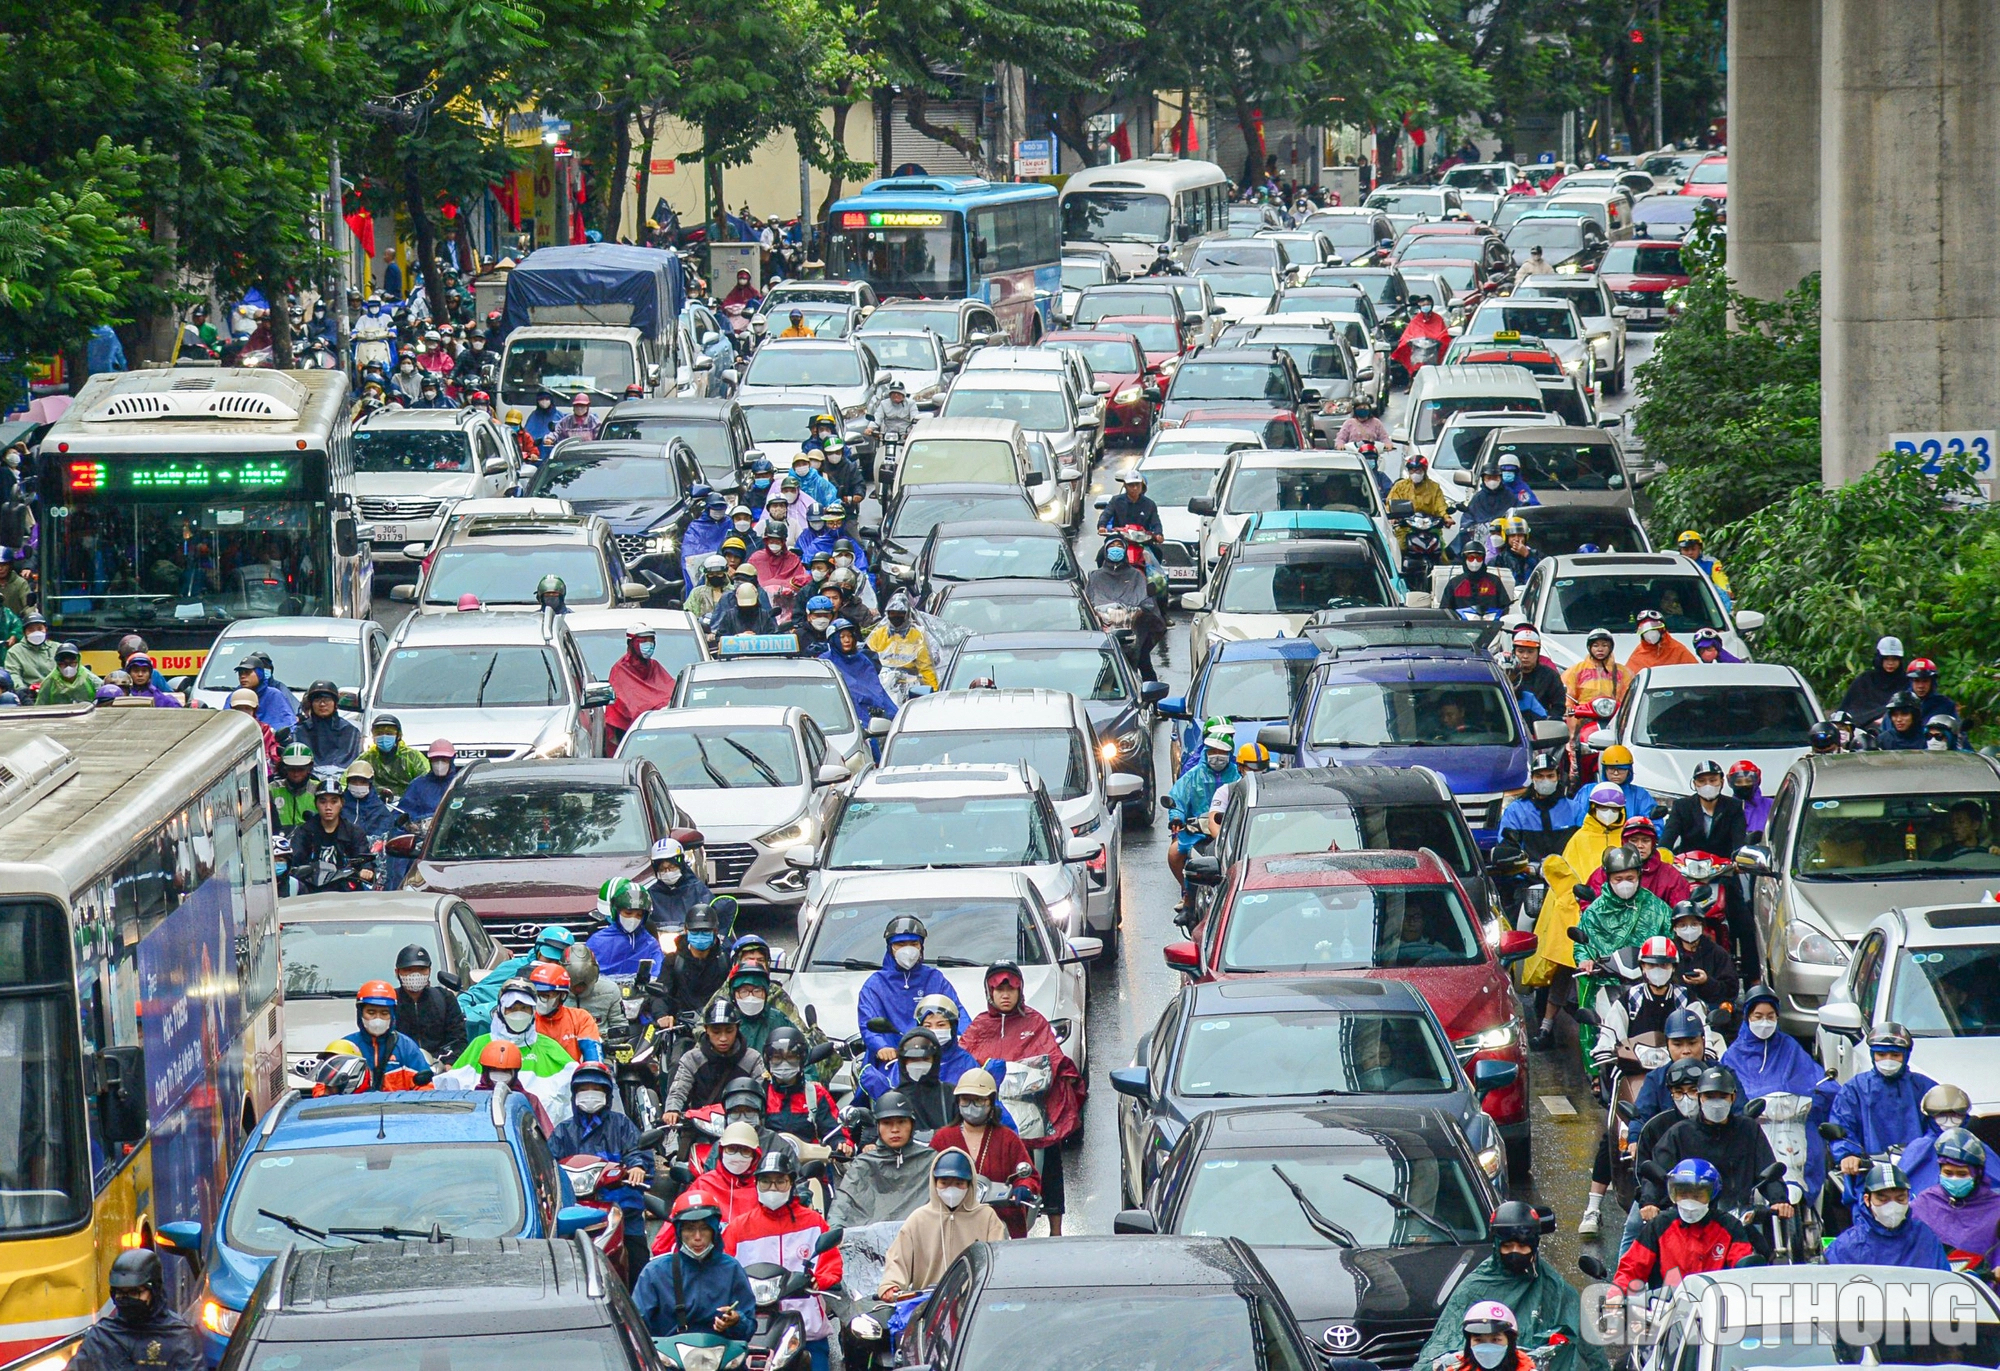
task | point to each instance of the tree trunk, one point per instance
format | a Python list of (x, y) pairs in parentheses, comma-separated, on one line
[(621, 167), (1246, 120), (835, 182), (1386, 139), (281, 326), (468, 256), (647, 124), (1075, 134), (918, 113), (420, 224), (155, 330)]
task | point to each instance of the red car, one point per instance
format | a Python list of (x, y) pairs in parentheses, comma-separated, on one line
[(1709, 179), (1377, 914), (1280, 427), (1163, 340), (1117, 358), (1639, 273)]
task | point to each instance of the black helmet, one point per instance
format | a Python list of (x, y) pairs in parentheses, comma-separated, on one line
[(1716, 1080), (1710, 767), (1823, 735), (319, 688), (1546, 761), (702, 919), (918, 1042), (1890, 1036), (414, 957), (137, 1268), (1516, 1221), (893, 1104), (1620, 859), (903, 927), (1885, 1176), (1904, 701), (721, 1012), (1685, 1072), (778, 1162), (786, 1041), (330, 785), (743, 1093)]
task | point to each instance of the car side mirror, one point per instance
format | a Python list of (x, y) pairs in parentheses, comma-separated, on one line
[(402, 845), (634, 590), (1134, 1221), (1600, 741), (350, 700), (415, 552), (1203, 869), (1592, 1266), (1490, 1075), (572, 1219), (1278, 738), (1182, 956), (1749, 621), (1516, 945), (1755, 860), (1841, 1018), (1100, 387), (180, 1238), (1123, 785), (1135, 1081), (1615, 421), (450, 981), (1082, 849), (878, 727), (1173, 706), (1461, 478), (403, 595), (1202, 505), (830, 773), (597, 695), (118, 1079), (1152, 692), (1309, 396), (1194, 599), (1033, 479), (1548, 732), (1082, 950), (803, 857)]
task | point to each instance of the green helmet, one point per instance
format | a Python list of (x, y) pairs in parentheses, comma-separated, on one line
[(298, 754), (551, 584), (626, 896), (606, 894)]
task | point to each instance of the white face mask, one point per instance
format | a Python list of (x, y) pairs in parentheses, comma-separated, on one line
[(1492, 483), (917, 1068), (1624, 890), (416, 982), (774, 1199), (440, 769), (1715, 1110), (907, 955), (1687, 1104), (1936, 745), (750, 1006), (952, 1195), (359, 792), (941, 1033), (630, 922), (1762, 1029), (1688, 933), (520, 1020), (500, 1078), (36, 638), (1489, 1354), (1891, 1213), (1417, 478), (1709, 790), (1608, 815), (736, 1161), (68, 673), (546, 1005), (1659, 975), (591, 1101), (1545, 785), (670, 877), (375, 1024), (1651, 635), (1889, 1067), (1691, 1211)]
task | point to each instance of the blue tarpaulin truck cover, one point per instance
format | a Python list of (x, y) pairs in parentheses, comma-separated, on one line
[(597, 283)]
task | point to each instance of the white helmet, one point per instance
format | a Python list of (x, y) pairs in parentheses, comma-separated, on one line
[(668, 850)]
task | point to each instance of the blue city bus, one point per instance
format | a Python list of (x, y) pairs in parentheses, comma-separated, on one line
[(954, 238)]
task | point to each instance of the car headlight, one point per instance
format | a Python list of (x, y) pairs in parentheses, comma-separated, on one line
[(1052, 515), (1066, 910), (1490, 1158), (661, 542), (562, 746), (1810, 946), (1131, 395), (900, 569), (1061, 1028), (1486, 1040), (1569, 268), (218, 1319), (800, 830)]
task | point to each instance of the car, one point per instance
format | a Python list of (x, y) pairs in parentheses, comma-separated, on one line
[(1481, 205), (1078, 274), (1438, 392), (472, 1164), (600, 636), (1326, 363), (1303, 250), (1609, 208), (1848, 837), (1048, 1304), (1320, 298), (1603, 320), (1456, 241), (855, 295), (1566, 597), (1670, 216), (780, 420), (1709, 180), (977, 551), (1564, 398), (972, 919), (1672, 167), (527, 844), (1089, 665), (1271, 589), (641, 490), (1416, 687), (1641, 274), (915, 358), (961, 325), (1278, 426), (1256, 377), (716, 430), (1131, 384), (1255, 480), (1512, 209), (1243, 220), (1043, 404), (916, 510), (1248, 683), (1631, 180), (1176, 473), (807, 682), (1057, 490), (1243, 292), (1935, 970), (1425, 202), (302, 650), (944, 818), (1471, 175), (1086, 391), (1386, 287), (412, 465), (1327, 525), (1198, 298), (501, 558), (1231, 1176), (1014, 606), (1166, 343), (1142, 298), (977, 450), (1356, 232), (1050, 732), (755, 779), (469, 1301), (1558, 529), (828, 319), (844, 369), (1463, 438), (1553, 322), (1563, 464), (497, 684), (1569, 241), (1676, 717), (331, 945), (1289, 1040)]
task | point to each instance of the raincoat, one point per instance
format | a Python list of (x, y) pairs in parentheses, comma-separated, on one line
[(540, 1056), (1920, 1163), (933, 1236), (1026, 1037), (1867, 1242), (1777, 1066), (1970, 1224), (1542, 1302), (892, 993), (702, 536), (883, 1184), (1669, 651), (861, 672), (637, 685), (707, 1285), (1611, 923), (906, 651), (1579, 858), (619, 953), (1879, 1113)]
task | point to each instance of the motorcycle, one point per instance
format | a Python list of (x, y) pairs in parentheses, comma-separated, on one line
[(1579, 759), (633, 1055), (779, 1344), (1423, 544), (702, 1352), (1636, 1056), (1706, 873), (586, 1175), (1782, 1116), (1610, 976)]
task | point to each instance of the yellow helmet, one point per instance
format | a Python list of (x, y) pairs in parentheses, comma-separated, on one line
[(1617, 755), (1689, 535), (340, 1047), (1253, 754), (516, 418)]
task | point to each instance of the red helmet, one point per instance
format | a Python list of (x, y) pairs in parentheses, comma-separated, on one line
[(1745, 768), (1658, 949), (1922, 669), (550, 974)]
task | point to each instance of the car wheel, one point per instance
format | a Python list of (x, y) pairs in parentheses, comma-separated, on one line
[(1112, 937), (1142, 808), (1520, 1159), (1616, 385)]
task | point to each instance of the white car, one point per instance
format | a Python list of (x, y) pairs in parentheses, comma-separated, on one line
[(1459, 444), (913, 357), (1936, 971), (1242, 292), (600, 636), (1051, 733), (1252, 482), (808, 682), (1270, 590), (1674, 718), (1554, 322), (844, 369), (1182, 471), (755, 779), (1568, 596), (302, 650), (971, 920), (1043, 403), (412, 466), (1603, 321)]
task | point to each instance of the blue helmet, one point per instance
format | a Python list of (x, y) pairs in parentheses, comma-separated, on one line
[(554, 942), (956, 1166), (1959, 1145), (1685, 1023), (592, 1074), (762, 467), (1692, 1172), (819, 603)]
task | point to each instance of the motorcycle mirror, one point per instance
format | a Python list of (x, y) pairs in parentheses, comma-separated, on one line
[(682, 1174), (656, 1206), (795, 1283), (450, 982), (1592, 1266), (1577, 935), (857, 1116), (1832, 1132), (644, 976), (827, 1241), (652, 1138), (1754, 1109), (819, 1052), (878, 1024), (1776, 1170), (1585, 1015), (812, 1016), (812, 1170), (1627, 1110)]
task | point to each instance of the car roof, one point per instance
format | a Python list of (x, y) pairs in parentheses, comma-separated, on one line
[(671, 409), (1110, 1263), (1951, 924), (1008, 707), (785, 395), (403, 1116), (1340, 520), (1373, 867), (1263, 650), (996, 430), (1009, 377), (382, 906), (903, 302), (813, 344), (1222, 355), (995, 488), (1562, 433), (759, 668), (1345, 1125), (1613, 563), (410, 1288), (1873, 773), (732, 716), (1089, 638), (1462, 377), (1005, 587), (1733, 676), (297, 626), (659, 620), (1305, 551), (860, 886), (484, 627), (1183, 457), (589, 771), (1215, 433), (997, 528), (1278, 994), (1302, 459), (952, 778), (418, 418), (1336, 786)]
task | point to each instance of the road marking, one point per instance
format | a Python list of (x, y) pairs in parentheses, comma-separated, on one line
[(1557, 1105)]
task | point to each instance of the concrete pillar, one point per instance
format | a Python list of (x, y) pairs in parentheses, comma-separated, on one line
[(1774, 119), (1909, 144)]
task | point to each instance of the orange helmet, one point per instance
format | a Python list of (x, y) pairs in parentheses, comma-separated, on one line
[(549, 974), (376, 992), (500, 1055)]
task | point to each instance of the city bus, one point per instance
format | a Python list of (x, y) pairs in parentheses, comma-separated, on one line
[(180, 501), (1133, 207), (953, 238), (140, 1008)]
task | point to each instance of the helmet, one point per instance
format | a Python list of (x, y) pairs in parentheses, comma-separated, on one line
[(1716, 1080), (952, 1165), (703, 919), (592, 1073), (329, 785), (1620, 860), (500, 1055), (743, 1093), (1683, 1023), (1253, 754), (1707, 768), (1885, 1176), (239, 698), (720, 1012), (1515, 1221), (1546, 761), (976, 1081), (713, 563), (382, 721), (1841, 717), (694, 1206), (1685, 1072), (1903, 701), (1756, 995), (905, 928), (441, 750), (377, 993), (1823, 735), (937, 1004), (554, 942), (740, 1135), (668, 850), (893, 1104), (1491, 1316), (1945, 724), (1658, 950), (1639, 823), (918, 1042), (1745, 768), (547, 976), (1704, 636), (550, 584), (1598, 635), (1616, 755), (1509, 526), (1691, 1174), (359, 769), (1890, 1036), (296, 754), (340, 1075), (1688, 535), (319, 688), (1605, 793), (785, 1040), (1922, 669), (778, 1162), (1946, 1099), (625, 895), (1959, 1145), (415, 957)]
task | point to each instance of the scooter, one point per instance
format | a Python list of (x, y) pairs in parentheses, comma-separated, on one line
[(1706, 873), (586, 1175), (1782, 1116), (779, 1343), (1423, 543), (1611, 976)]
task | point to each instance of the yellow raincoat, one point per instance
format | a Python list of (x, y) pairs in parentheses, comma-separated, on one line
[(1576, 863)]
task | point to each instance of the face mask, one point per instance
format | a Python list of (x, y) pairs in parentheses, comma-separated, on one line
[(1520, 1263), (1936, 745), (416, 982), (842, 559), (742, 525), (1217, 761), (1889, 1067), (1691, 1211), (750, 1006), (1417, 478), (1708, 790), (520, 1020), (736, 1161), (1651, 635), (774, 1199), (1715, 1110), (646, 651), (385, 742), (1688, 933), (941, 1034), (1891, 1213), (134, 1306), (68, 673), (359, 792), (1607, 815), (1423, 309), (1493, 483), (1762, 1029), (37, 638), (785, 1071), (375, 1024), (546, 1005), (917, 1068), (1958, 1187), (701, 942), (629, 922), (590, 1101), (1624, 890), (670, 877), (975, 1112), (952, 1195), (1489, 1354), (821, 622), (907, 955), (1659, 975), (1545, 785), (1687, 1104), (545, 406)]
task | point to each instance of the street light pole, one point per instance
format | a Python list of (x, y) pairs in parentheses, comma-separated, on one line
[(336, 232), (1659, 120)]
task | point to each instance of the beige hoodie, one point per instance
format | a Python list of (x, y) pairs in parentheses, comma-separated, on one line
[(933, 1236)]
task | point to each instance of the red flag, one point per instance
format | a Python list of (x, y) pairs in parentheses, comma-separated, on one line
[(361, 224), (1120, 142), (508, 197)]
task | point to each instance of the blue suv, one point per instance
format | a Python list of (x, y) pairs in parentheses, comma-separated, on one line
[(1414, 687), (349, 1169)]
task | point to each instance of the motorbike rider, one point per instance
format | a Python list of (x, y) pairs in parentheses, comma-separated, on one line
[(1706, 968), (718, 1057), (1425, 323), (1708, 649), (559, 1020), (1475, 588), (916, 1074), (1615, 766), (1119, 583), (1538, 677), (1708, 820), (1542, 819), (1657, 647), (1884, 1232), (1945, 1107), (757, 1016), (952, 1220), (1823, 740), (1868, 695), (1720, 1135), (142, 1332), (1923, 676), (595, 1129), (675, 889), (1746, 784), (1902, 724), (1189, 799), (1880, 1108), (794, 1103), (1425, 495), (889, 1177), (796, 326), (1646, 1007), (428, 1012), (817, 489), (782, 1231), (1625, 913), (1941, 734), (1362, 426), (626, 941), (595, 993), (324, 845), (1543, 1302), (1962, 1205), (1698, 1235), (334, 741), (1490, 1342), (702, 536), (1500, 490), (1597, 675), (707, 596), (390, 1060), (579, 422), (1131, 507), (697, 1287), (513, 1021), (293, 790), (995, 1148), (1656, 873), (698, 969), (393, 762), (745, 296), (362, 806), (638, 683), (899, 643)]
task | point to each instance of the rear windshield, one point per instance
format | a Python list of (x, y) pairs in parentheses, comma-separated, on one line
[(1231, 381), (1408, 827), (1255, 489), (419, 450), (517, 818), (1581, 603), (1432, 413), (1302, 587), (1643, 262), (1315, 928), (1564, 466), (1058, 755)]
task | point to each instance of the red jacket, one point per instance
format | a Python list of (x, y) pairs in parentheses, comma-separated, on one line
[(785, 1237), (1001, 1153), (1676, 1250), (735, 1196)]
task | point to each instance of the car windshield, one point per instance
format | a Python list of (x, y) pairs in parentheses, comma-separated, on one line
[(1042, 410), (1461, 276), (1059, 1328), (1884, 837), (298, 660), (1235, 252), (1380, 286), (1322, 928), (1316, 361), (1053, 613), (1255, 489), (931, 461), (1277, 830), (1173, 487), (1558, 531), (1553, 465), (919, 513), (1103, 303), (1300, 250), (1431, 415), (603, 367), (1242, 285), (1546, 231), (573, 475), (1585, 300), (890, 834), (779, 365), (1581, 603), (1538, 322), (1633, 261), (1258, 688), (1089, 673), (335, 957), (820, 695), (777, 425), (588, 1349), (470, 1190), (708, 437), (913, 352), (1111, 356), (1406, 202), (1302, 587), (738, 757), (507, 819), (471, 677), (1078, 274), (507, 575), (1719, 717), (975, 931), (1000, 556), (1312, 1052), (1709, 174), (1111, 216), (1948, 992), (1243, 1196), (1443, 248), (1159, 336), (411, 450), (943, 322), (673, 649), (1060, 756), (1346, 232), (1459, 446), (825, 321), (1413, 714)]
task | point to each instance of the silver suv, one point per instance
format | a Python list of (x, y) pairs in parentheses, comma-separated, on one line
[(411, 466), (497, 685), (502, 557)]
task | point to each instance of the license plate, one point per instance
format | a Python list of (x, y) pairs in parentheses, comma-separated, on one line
[(392, 533), (1646, 313)]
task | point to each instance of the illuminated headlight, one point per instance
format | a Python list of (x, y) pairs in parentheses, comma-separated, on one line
[(766, 1291), (1806, 944), (800, 830), (1066, 911), (1490, 1157), (561, 746), (1486, 1040), (1131, 395), (660, 542), (1338, 407), (1061, 1028), (1052, 515), (900, 569), (218, 1319), (1569, 268)]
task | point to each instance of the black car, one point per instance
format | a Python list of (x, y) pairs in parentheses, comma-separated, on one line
[(457, 1302), (1364, 1275), (1291, 1040), (641, 489), (1014, 606), (916, 510), (1091, 667), (983, 550), (715, 429), (1558, 530), (1055, 1304)]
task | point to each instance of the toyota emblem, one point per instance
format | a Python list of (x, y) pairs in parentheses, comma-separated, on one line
[(1341, 1337)]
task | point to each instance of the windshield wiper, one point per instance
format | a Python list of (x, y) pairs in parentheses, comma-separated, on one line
[(770, 776), (709, 767), (304, 1230), (1318, 1222), (387, 1231), (850, 964), (958, 962), (1402, 1205), (491, 667)]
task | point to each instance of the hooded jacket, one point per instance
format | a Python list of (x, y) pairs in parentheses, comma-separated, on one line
[(334, 741), (1542, 1301), (1866, 1241), (1869, 694), (1920, 1163), (1541, 824), (892, 993), (932, 1238), (702, 536), (164, 1342), (434, 1020), (1970, 1225), (1580, 856), (701, 1075), (369, 813), (1675, 1250), (731, 618), (395, 770), (1756, 809), (29, 664), (539, 1056), (394, 1061), (1879, 1112), (1891, 739), (1022, 1036), (1189, 799), (1657, 874), (1669, 651), (619, 953), (779, 572), (613, 1136), (908, 650), (81, 691), (595, 993), (1485, 506), (1611, 923), (999, 1157), (883, 1184), (1736, 1147), (785, 1237), (672, 904), (421, 797), (861, 672), (677, 1293)]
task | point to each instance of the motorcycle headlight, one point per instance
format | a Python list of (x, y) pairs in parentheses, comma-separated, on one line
[(799, 830), (788, 1347), (1810, 946), (766, 1291)]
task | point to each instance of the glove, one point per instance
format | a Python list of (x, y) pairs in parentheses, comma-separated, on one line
[(1024, 1195)]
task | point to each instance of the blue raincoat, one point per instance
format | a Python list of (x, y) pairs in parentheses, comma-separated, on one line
[(1868, 1243), (619, 953), (1879, 1113), (702, 536), (892, 993), (1778, 1065), (861, 672)]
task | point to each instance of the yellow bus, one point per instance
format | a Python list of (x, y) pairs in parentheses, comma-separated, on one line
[(141, 1030)]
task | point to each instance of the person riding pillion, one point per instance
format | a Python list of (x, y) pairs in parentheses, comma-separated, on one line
[(676, 888), (1695, 1235), (1544, 1304)]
